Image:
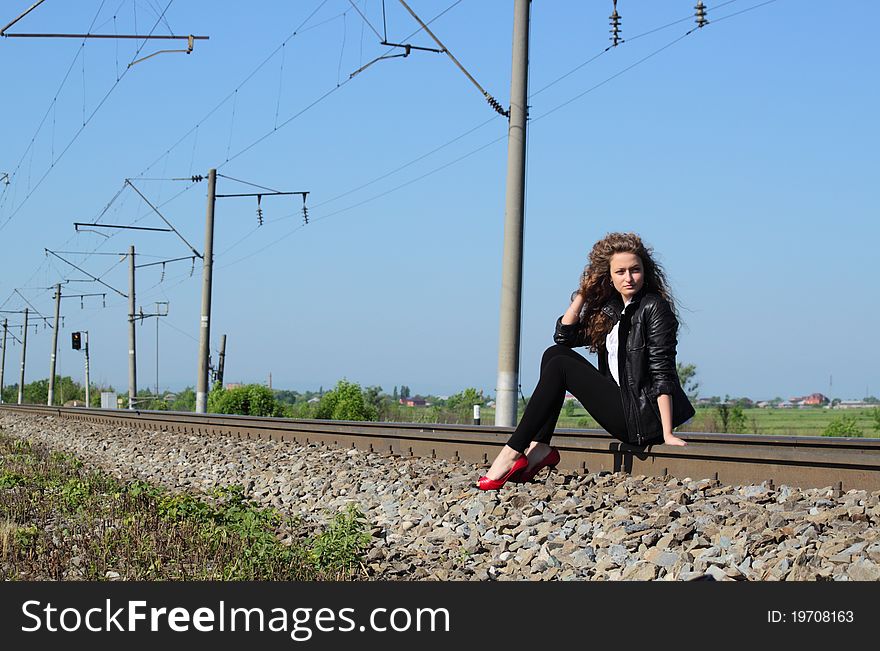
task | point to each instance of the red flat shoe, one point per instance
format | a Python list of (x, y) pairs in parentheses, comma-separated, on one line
[(486, 484), (552, 460)]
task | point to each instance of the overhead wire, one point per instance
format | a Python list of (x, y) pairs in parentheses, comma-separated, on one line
[(375, 31), (324, 96), (55, 98), (477, 127), (485, 145), (82, 128), (485, 122), (250, 76)]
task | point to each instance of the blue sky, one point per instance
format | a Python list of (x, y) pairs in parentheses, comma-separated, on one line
[(745, 154)]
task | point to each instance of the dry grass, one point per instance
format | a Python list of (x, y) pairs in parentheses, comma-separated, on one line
[(59, 521)]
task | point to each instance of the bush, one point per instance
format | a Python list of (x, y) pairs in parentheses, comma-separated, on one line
[(249, 400), (340, 546), (843, 426), (588, 423), (461, 405), (733, 420), (345, 402)]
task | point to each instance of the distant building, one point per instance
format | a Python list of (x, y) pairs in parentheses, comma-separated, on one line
[(232, 385), (852, 404), (812, 399), (413, 402)]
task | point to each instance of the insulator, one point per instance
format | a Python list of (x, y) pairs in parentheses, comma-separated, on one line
[(615, 26), (495, 104), (81, 306), (260, 216), (196, 179), (162, 275), (305, 214), (701, 19), (104, 300), (193, 268)]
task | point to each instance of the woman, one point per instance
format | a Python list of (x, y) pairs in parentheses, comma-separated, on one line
[(624, 311)]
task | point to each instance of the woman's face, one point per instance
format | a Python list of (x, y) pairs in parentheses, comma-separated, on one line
[(627, 274)]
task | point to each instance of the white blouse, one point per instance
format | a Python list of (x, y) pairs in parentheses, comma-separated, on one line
[(611, 345)]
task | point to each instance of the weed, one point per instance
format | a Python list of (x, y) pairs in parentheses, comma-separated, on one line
[(340, 546), (61, 522)]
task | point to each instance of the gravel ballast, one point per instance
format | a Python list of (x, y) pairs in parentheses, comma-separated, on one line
[(428, 520)]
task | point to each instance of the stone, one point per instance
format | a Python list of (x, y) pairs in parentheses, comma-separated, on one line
[(717, 573), (428, 522), (640, 572), (662, 558), (864, 570)]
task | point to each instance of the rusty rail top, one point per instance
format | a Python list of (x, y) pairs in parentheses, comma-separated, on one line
[(804, 461)]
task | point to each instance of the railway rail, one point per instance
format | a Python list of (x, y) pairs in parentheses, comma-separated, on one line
[(801, 461)]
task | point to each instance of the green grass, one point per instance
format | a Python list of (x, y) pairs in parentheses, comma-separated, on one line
[(59, 521), (781, 422)]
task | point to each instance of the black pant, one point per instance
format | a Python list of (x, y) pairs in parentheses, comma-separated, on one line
[(563, 369)]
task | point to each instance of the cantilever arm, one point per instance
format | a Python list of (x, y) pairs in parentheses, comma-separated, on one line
[(188, 50)]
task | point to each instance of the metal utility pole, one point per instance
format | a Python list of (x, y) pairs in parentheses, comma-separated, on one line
[(23, 354), (205, 323), (132, 355), (54, 345), (511, 274), (157, 314), (3, 360), (88, 383), (222, 363)]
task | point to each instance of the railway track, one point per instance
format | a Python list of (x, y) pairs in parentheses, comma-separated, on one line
[(805, 462)]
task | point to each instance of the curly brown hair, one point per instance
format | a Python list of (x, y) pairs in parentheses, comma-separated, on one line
[(597, 290)]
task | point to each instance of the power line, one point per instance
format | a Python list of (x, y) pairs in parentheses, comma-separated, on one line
[(231, 94), (474, 151), (478, 149), (55, 98), (82, 128), (375, 31)]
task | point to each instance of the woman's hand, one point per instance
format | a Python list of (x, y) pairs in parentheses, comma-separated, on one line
[(573, 313), (664, 403)]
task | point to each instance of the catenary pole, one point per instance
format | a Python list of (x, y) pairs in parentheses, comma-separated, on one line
[(222, 362), (52, 357), (132, 355), (3, 360), (23, 356), (205, 322), (511, 274)]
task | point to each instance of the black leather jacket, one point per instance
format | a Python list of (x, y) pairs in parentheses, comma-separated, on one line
[(646, 355)]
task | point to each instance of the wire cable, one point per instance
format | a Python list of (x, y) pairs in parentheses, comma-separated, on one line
[(375, 31), (478, 149), (82, 128)]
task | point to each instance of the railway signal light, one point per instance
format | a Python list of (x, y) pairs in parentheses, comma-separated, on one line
[(76, 339)]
